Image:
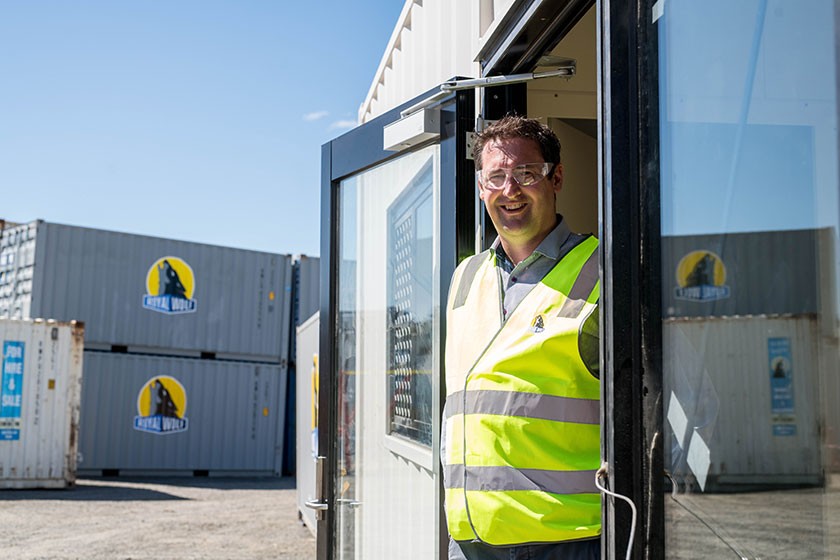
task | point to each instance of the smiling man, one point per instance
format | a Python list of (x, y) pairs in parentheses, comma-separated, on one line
[(520, 444)]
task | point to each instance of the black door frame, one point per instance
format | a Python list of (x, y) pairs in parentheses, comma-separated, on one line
[(347, 155), (631, 328), (632, 277)]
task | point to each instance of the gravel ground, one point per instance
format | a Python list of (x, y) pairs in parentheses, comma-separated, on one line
[(160, 519)]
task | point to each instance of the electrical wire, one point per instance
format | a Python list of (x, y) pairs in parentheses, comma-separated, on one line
[(602, 472)]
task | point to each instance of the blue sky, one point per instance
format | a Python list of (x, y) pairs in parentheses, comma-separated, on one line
[(187, 119)]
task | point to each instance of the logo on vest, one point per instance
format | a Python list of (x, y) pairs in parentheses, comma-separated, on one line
[(537, 325)]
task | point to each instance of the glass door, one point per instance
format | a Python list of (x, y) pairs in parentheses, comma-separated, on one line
[(386, 352), (750, 216), (392, 225)]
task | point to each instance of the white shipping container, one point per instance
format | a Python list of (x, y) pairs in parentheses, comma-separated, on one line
[(41, 380), (307, 418), (720, 386)]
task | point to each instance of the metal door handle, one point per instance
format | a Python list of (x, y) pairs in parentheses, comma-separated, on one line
[(317, 505), (352, 503)]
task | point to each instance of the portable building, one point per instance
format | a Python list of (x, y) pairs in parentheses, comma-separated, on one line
[(307, 419), (677, 120), (39, 402), (146, 414), (145, 294)]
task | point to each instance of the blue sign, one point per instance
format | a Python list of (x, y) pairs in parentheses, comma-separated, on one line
[(781, 386), (11, 390)]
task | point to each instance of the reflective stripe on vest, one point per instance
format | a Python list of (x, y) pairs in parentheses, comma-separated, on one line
[(522, 414)]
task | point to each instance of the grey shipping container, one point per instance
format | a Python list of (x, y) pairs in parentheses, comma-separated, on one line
[(306, 298), (149, 294), (154, 415), (753, 273), (307, 288), (39, 402)]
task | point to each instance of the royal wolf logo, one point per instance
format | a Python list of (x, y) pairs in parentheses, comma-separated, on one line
[(161, 404), (701, 276), (170, 285)]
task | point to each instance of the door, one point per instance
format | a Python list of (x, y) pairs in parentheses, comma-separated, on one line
[(389, 246), (721, 277), (749, 213)]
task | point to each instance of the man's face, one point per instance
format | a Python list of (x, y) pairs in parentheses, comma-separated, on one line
[(521, 214)]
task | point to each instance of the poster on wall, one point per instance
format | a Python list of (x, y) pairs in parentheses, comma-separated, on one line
[(781, 386), (11, 391)]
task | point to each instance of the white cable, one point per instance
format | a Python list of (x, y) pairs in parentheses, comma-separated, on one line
[(602, 472)]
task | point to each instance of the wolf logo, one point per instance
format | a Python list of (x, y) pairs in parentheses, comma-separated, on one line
[(703, 273), (701, 276), (162, 400), (169, 283), (170, 286)]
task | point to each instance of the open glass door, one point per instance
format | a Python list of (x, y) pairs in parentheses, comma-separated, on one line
[(721, 218), (750, 216), (389, 245)]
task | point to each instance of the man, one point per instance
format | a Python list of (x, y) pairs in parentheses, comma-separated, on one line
[(521, 423)]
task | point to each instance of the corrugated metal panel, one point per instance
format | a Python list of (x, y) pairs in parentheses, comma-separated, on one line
[(307, 441), (17, 265), (39, 403), (719, 370), (768, 272), (234, 415), (433, 41), (307, 288), (241, 299)]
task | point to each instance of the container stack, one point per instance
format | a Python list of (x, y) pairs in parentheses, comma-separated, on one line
[(186, 345), (305, 302)]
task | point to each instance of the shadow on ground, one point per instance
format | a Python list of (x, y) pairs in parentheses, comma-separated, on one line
[(125, 489)]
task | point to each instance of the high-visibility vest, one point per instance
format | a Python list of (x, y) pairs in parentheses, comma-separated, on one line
[(522, 414)]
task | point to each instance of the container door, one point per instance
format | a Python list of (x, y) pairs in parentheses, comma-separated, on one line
[(389, 247)]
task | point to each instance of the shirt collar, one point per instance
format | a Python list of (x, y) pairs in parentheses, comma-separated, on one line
[(549, 247)]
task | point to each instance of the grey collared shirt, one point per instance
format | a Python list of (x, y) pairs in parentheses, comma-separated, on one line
[(518, 280)]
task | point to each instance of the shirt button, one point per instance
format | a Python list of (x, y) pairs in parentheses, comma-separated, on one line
[(513, 278)]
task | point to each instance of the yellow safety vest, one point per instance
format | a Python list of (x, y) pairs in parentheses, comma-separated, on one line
[(522, 414)]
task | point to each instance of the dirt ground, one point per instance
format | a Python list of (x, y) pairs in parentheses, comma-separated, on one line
[(160, 519)]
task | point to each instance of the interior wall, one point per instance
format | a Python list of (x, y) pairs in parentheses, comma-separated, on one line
[(569, 107), (578, 200)]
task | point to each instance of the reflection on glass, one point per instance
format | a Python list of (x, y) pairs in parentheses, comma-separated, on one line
[(345, 444), (749, 175), (410, 310)]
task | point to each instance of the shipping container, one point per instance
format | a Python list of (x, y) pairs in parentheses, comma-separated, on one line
[(307, 417), (146, 294), (743, 396), (39, 402), (305, 299), (146, 414), (307, 288)]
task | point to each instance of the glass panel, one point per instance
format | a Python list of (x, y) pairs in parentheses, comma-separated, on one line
[(750, 215), (410, 310), (388, 325), (346, 342)]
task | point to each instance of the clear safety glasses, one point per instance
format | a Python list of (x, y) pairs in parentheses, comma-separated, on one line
[(525, 175)]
